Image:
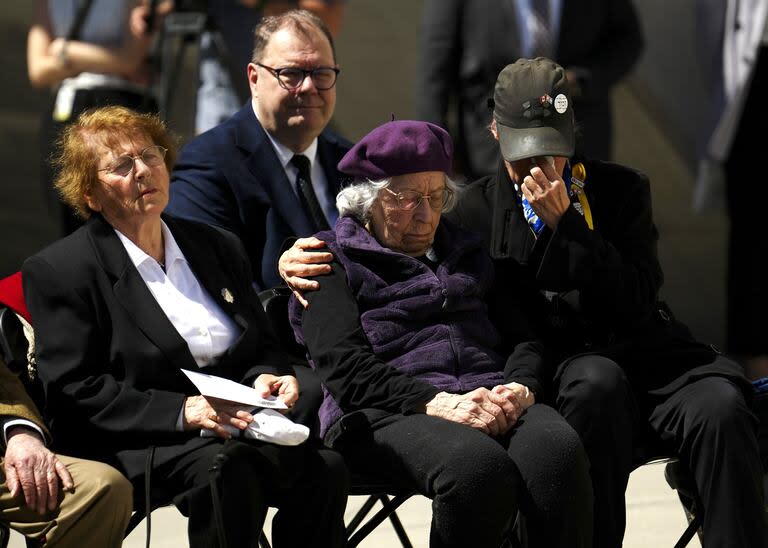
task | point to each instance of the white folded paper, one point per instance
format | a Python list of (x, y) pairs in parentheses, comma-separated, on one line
[(225, 389)]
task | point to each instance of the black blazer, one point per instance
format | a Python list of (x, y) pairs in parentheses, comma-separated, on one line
[(108, 357), (464, 45), (231, 177)]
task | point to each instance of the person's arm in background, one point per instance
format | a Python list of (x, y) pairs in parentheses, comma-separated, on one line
[(50, 59), (439, 59), (330, 11)]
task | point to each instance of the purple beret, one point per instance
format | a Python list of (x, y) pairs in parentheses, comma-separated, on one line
[(399, 147)]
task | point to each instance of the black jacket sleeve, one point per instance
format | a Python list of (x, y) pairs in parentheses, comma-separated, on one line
[(71, 355), (615, 267), (344, 359)]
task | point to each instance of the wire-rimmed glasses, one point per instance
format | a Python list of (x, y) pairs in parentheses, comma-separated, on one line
[(152, 156), (409, 200)]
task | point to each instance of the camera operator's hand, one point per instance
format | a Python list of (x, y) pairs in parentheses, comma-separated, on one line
[(140, 17)]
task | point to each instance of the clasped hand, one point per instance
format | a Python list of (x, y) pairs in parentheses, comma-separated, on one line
[(214, 414), (493, 411)]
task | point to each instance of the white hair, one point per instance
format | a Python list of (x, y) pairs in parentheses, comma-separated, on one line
[(356, 200)]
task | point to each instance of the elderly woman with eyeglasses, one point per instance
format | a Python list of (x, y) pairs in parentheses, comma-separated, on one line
[(418, 387), (123, 305)]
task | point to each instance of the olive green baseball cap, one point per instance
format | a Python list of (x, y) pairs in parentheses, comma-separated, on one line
[(533, 110)]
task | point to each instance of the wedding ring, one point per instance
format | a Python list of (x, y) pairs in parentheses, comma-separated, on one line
[(214, 417)]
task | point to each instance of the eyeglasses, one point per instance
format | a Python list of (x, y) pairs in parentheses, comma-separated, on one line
[(291, 78), (409, 200), (152, 156)]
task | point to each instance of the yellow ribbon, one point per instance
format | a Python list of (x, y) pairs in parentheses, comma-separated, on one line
[(578, 176)]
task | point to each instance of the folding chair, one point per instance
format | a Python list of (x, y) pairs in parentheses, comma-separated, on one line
[(649, 451), (391, 497)]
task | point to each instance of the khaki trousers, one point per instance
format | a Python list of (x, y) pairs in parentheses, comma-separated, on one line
[(95, 514)]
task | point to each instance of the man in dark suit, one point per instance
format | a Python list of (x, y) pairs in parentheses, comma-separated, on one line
[(575, 240), (466, 43), (269, 172)]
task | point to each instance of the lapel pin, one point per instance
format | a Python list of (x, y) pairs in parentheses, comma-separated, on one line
[(227, 294)]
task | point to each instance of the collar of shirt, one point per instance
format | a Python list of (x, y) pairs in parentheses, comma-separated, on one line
[(284, 154), (204, 326), (139, 257)]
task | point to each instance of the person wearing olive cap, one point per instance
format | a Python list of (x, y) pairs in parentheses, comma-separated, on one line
[(575, 240), (417, 383)]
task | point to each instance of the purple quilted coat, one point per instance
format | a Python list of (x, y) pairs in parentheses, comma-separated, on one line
[(432, 325)]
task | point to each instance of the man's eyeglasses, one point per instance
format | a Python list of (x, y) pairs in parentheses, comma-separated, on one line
[(291, 78), (409, 200), (153, 156)]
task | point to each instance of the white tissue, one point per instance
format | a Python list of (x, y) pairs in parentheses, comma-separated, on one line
[(270, 426)]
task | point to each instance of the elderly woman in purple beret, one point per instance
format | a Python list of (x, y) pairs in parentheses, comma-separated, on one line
[(418, 387)]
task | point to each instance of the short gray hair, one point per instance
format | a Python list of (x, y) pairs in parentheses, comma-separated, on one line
[(357, 199)]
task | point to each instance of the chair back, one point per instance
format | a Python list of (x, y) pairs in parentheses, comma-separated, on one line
[(13, 343)]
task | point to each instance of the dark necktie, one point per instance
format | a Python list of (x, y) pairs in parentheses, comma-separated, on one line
[(306, 193), (542, 43)]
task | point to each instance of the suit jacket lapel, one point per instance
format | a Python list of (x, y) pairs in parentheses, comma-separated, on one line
[(132, 293), (212, 274), (265, 167)]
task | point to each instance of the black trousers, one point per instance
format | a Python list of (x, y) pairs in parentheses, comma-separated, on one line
[(706, 423), (308, 485), (477, 483)]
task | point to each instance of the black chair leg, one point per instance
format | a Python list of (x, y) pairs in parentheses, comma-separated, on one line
[(688, 534), (361, 514), (397, 524), (263, 542), (389, 508)]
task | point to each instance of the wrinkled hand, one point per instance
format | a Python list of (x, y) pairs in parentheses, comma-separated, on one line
[(546, 192), (286, 388), (299, 263), (519, 397), (212, 413), (481, 409), (32, 468)]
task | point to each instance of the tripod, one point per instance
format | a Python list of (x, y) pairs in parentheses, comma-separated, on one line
[(180, 30)]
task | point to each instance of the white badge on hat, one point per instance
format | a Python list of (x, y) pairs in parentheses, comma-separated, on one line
[(561, 103)]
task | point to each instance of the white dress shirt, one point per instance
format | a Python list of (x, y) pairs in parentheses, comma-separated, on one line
[(208, 331), (10, 422)]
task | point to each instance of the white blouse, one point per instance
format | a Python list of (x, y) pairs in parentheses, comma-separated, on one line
[(208, 331)]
